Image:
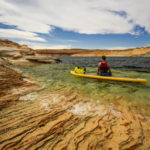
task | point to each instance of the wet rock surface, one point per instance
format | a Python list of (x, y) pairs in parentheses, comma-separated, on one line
[(40, 59), (12, 85), (67, 121), (127, 63)]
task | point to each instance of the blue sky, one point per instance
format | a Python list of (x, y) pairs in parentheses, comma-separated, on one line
[(89, 24)]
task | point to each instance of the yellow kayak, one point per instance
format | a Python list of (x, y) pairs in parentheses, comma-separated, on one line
[(124, 79)]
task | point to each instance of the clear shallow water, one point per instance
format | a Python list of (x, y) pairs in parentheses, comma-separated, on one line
[(132, 95)]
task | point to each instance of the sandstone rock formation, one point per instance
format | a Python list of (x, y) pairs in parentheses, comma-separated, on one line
[(12, 85), (143, 51), (25, 50), (8, 51), (7, 43), (22, 54), (13, 49), (41, 59), (66, 121), (9, 48)]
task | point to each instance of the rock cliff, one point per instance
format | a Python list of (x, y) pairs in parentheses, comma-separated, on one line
[(22, 54), (13, 49), (143, 51)]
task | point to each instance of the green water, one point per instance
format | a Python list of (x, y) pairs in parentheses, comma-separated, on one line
[(135, 96)]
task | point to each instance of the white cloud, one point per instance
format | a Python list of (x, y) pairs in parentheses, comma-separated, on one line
[(12, 33), (44, 46), (82, 16)]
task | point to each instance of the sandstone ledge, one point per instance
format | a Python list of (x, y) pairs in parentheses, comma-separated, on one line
[(46, 60), (56, 121)]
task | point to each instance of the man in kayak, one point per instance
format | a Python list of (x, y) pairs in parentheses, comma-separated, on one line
[(104, 68)]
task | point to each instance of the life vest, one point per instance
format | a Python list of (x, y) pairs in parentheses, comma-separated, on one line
[(103, 66)]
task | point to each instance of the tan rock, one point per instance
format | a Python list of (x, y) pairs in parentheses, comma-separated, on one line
[(40, 59), (143, 51)]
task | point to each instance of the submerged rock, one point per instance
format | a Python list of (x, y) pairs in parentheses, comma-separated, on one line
[(56, 121), (46, 60)]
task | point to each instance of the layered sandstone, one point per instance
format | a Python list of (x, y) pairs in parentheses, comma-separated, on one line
[(12, 85), (22, 54), (8, 43), (143, 51), (43, 59), (13, 49), (66, 121)]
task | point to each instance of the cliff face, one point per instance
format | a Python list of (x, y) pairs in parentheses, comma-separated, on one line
[(8, 51), (7, 43), (22, 54), (13, 49), (84, 52)]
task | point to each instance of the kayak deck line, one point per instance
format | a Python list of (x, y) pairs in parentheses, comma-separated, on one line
[(125, 79)]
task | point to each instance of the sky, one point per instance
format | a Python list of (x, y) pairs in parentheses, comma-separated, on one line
[(86, 24)]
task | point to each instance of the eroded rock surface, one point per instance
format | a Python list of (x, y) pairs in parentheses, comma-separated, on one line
[(41, 59), (12, 85), (66, 121), (22, 54), (142, 51), (14, 50), (8, 51)]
